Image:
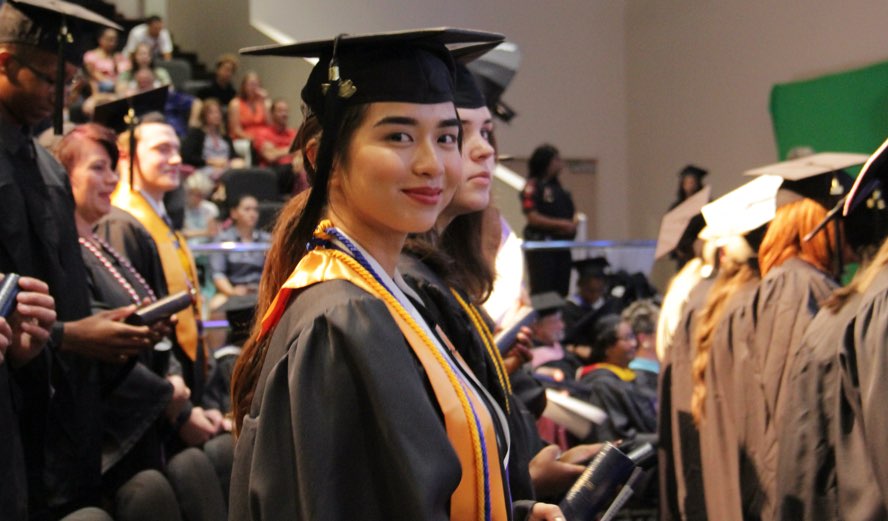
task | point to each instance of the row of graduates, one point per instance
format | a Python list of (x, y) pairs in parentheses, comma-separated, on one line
[(773, 378), (97, 416)]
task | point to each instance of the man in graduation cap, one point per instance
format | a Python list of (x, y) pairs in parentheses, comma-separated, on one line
[(592, 292), (140, 227), (40, 44)]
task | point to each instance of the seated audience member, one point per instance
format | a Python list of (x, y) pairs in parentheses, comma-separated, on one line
[(130, 81), (104, 63), (610, 384), (221, 87), (273, 141), (247, 111), (201, 215), (238, 273), (642, 316), (208, 148), (153, 35), (592, 292), (547, 332)]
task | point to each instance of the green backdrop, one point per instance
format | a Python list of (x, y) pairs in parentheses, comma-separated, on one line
[(844, 112)]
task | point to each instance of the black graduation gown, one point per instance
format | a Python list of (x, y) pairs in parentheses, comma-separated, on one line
[(724, 468), (806, 463), (631, 415), (60, 431), (786, 301), (135, 398), (858, 495), (868, 333), (572, 313), (457, 325), (129, 237), (681, 483), (343, 424)]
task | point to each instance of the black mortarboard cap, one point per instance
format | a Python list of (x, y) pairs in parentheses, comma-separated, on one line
[(546, 303), (239, 311), (872, 177), (41, 23), (466, 94), (695, 171), (820, 177), (116, 114), (591, 267), (405, 66), (55, 26), (865, 209)]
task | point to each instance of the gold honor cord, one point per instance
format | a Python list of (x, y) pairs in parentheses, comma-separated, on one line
[(489, 344)]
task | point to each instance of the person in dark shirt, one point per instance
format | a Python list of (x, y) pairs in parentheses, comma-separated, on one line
[(550, 213), (221, 87)]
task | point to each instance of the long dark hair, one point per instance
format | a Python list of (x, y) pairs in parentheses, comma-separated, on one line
[(293, 230), (539, 161)]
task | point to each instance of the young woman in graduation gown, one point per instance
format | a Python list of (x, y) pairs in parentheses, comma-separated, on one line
[(680, 477), (720, 361), (348, 403), (449, 270), (861, 469), (797, 276)]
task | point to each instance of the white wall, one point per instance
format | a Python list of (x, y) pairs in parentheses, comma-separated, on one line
[(570, 90), (699, 78)]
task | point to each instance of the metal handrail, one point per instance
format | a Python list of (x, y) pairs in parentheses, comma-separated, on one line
[(229, 247), (561, 245)]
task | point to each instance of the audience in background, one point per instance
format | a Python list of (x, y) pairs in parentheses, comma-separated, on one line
[(247, 112), (221, 87), (208, 148), (153, 34), (201, 216), (104, 63), (273, 141), (142, 74)]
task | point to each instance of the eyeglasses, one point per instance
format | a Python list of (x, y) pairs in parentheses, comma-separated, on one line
[(50, 79)]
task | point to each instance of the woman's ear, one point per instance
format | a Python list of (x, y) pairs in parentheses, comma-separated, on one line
[(311, 151)]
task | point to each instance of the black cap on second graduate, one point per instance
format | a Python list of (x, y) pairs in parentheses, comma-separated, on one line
[(466, 90)]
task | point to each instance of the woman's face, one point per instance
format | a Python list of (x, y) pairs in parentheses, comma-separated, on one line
[(92, 181), (212, 115), (623, 350), (108, 40), (478, 162), (142, 56), (401, 169), (246, 213), (689, 185), (251, 85)]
